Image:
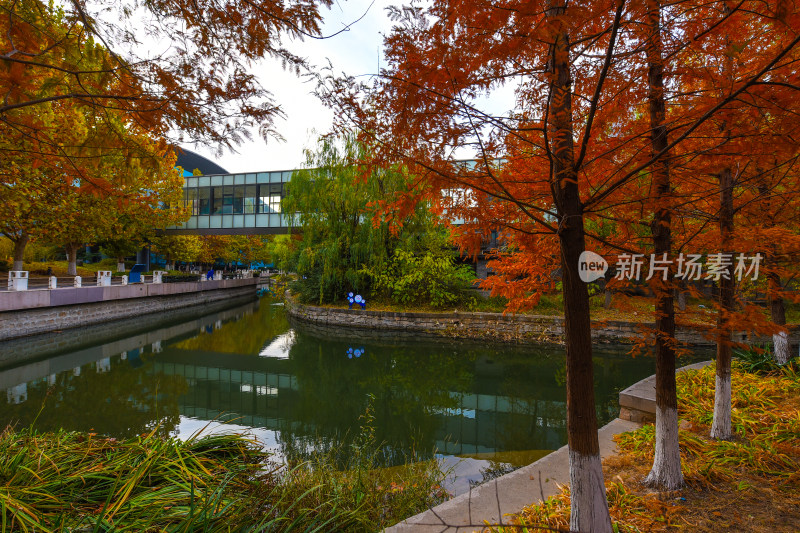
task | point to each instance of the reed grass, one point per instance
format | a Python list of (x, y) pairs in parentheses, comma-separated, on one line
[(352, 475), (67, 481)]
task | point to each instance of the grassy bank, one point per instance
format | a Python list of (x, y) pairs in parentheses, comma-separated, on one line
[(751, 483), (68, 481)]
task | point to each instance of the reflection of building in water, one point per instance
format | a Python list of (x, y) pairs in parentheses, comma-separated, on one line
[(17, 394), (263, 393), (309, 393)]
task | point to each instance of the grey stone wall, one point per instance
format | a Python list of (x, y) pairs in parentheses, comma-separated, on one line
[(489, 326), (44, 319), (150, 328)]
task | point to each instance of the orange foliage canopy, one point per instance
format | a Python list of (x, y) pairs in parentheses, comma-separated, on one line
[(731, 87), (169, 65)]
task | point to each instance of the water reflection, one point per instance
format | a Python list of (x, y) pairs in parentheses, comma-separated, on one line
[(298, 391)]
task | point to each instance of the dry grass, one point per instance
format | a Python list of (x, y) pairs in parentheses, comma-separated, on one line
[(751, 483)]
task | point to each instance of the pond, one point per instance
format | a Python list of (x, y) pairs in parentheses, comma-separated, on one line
[(482, 409)]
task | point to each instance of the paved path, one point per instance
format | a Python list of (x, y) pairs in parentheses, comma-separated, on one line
[(507, 494)]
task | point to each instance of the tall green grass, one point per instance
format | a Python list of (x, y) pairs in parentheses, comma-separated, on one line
[(759, 359), (82, 482)]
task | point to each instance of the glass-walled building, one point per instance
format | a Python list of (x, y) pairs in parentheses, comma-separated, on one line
[(245, 203)]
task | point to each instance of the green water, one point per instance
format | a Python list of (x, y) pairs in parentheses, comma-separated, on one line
[(481, 408)]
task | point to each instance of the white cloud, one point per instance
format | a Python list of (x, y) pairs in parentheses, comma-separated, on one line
[(358, 52)]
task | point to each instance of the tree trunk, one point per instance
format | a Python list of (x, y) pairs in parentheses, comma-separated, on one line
[(607, 299), (681, 296), (780, 340), (666, 472), (19, 251), (721, 427), (72, 258), (589, 507), (608, 296)]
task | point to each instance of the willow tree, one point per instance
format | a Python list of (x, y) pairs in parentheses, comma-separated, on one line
[(345, 235)]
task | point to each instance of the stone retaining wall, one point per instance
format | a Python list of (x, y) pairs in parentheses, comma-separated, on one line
[(154, 326), (494, 326), (41, 311)]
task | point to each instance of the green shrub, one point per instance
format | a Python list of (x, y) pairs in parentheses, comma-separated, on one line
[(430, 278), (759, 359)]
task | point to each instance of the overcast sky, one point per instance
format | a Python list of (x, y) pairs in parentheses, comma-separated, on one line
[(355, 52)]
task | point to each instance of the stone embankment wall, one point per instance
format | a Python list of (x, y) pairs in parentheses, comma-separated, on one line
[(484, 326), (46, 310), (94, 339)]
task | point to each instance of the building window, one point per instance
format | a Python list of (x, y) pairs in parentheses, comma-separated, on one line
[(250, 199), (238, 199), (275, 203), (205, 200), (263, 199), (190, 201)]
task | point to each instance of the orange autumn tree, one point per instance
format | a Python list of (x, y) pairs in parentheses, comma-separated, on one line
[(168, 68), (75, 173), (30, 187), (199, 85), (579, 156), (143, 195), (771, 212), (730, 163), (698, 74)]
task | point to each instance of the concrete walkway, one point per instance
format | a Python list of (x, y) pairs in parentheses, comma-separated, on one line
[(507, 494)]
